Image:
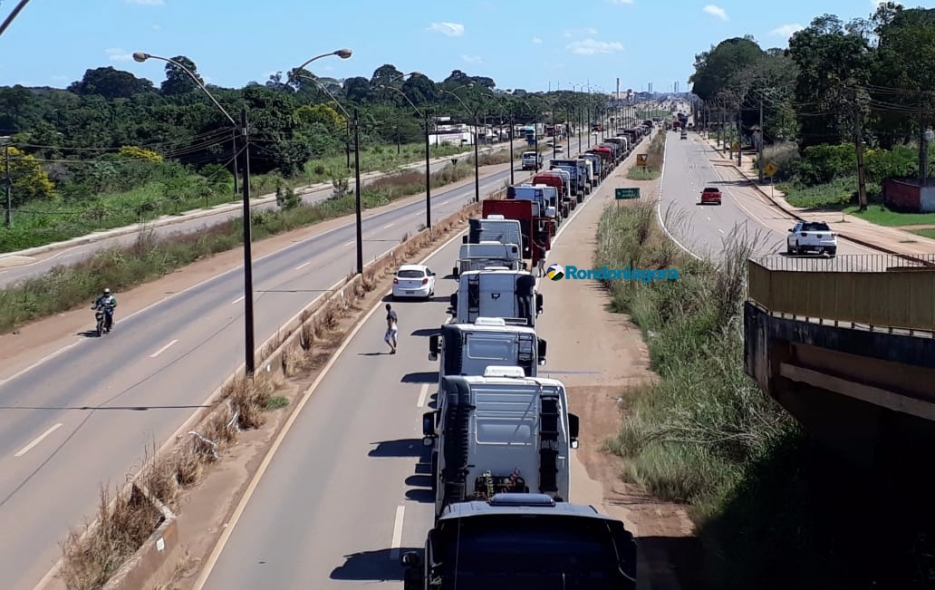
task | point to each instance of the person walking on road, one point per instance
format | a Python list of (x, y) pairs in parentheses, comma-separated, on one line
[(392, 328), (540, 250)]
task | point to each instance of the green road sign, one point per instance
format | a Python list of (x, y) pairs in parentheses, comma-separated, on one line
[(626, 193)]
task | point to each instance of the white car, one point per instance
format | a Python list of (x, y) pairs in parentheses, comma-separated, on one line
[(811, 236), (413, 280), (559, 149)]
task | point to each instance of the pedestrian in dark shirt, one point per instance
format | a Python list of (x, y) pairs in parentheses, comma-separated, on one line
[(392, 328), (540, 252)]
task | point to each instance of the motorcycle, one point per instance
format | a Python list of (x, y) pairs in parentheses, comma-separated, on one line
[(104, 321)]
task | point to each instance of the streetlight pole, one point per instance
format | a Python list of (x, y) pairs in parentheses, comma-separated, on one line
[(476, 156), (428, 159), (244, 131), (357, 208), (9, 19)]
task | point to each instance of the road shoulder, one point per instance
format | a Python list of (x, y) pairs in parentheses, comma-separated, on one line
[(600, 355)]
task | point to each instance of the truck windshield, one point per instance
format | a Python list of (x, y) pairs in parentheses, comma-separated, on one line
[(527, 551)]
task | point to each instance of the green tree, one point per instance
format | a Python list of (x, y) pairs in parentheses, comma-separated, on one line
[(322, 114), (177, 81), (29, 180)]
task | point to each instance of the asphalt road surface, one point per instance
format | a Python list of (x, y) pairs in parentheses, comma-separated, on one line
[(703, 229), (349, 489), (86, 416), (72, 255)]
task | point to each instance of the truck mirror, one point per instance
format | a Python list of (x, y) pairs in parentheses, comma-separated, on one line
[(429, 441), (464, 239), (542, 351), (454, 302), (573, 425), (410, 559), (428, 425), (538, 303), (433, 347), (454, 271)]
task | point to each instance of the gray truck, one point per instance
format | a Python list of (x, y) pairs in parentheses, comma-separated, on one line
[(523, 542)]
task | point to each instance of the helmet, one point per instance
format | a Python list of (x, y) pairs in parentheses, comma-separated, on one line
[(106, 291)]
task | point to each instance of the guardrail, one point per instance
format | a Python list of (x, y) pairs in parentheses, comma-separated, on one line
[(847, 263), (864, 292)]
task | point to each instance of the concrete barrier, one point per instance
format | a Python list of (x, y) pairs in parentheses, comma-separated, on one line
[(272, 360)]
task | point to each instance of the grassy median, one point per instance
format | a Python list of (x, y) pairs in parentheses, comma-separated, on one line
[(773, 509), (655, 157), (150, 258)]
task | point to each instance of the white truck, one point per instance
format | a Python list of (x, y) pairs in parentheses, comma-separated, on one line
[(501, 432), (496, 293), (468, 349), (532, 160), (544, 197), (488, 254)]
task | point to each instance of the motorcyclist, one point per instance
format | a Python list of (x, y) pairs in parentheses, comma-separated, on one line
[(106, 302)]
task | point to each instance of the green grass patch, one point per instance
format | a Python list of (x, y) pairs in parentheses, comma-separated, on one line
[(841, 195), (925, 233), (656, 153), (70, 287), (276, 402), (72, 215), (773, 510)]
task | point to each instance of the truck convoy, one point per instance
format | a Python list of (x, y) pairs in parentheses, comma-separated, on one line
[(501, 435), (523, 541)]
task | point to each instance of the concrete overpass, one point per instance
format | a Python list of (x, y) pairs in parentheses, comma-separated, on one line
[(849, 351)]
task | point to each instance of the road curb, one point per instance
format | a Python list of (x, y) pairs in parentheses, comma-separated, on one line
[(196, 214)]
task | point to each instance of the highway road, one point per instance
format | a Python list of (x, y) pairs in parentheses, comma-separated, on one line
[(349, 488), (41, 264), (703, 229), (86, 416)]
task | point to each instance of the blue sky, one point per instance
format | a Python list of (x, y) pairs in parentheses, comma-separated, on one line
[(520, 44)]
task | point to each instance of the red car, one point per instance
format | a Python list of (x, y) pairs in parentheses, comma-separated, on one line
[(711, 196)]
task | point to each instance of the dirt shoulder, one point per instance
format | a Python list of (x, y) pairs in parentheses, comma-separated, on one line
[(599, 356), (38, 340)]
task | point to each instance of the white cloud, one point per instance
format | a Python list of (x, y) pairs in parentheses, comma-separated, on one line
[(449, 29), (620, 1), (146, 2), (716, 11), (472, 59), (586, 32), (117, 54), (536, 41), (786, 30), (157, 28), (592, 47)]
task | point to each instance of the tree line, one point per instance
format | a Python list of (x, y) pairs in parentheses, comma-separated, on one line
[(839, 87), (112, 131)]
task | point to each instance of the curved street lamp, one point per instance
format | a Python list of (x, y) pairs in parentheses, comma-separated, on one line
[(476, 157), (510, 113), (9, 19), (428, 163)]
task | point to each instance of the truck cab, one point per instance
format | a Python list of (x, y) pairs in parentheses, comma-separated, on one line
[(501, 432), (487, 254), (493, 228), (532, 160), (580, 168), (571, 175), (468, 349), (597, 166), (561, 185), (500, 293), (523, 541)]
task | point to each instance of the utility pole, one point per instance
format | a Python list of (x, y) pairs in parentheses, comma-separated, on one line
[(236, 157), (617, 108), (8, 182), (357, 203), (759, 158), (740, 135), (249, 346)]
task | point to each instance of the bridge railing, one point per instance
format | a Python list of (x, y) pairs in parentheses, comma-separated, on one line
[(863, 291)]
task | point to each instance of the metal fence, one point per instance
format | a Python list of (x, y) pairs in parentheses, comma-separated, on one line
[(862, 263)]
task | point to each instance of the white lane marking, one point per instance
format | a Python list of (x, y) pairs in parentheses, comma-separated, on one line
[(163, 349), (351, 243), (238, 300), (422, 395), (443, 203), (721, 230), (390, 224), (303, 265), (41, 361), (709, 219), (397, 541), (37, 440)]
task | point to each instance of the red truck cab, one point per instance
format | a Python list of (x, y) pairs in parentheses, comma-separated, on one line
[(534, 229), (555, 180), (711, 196)]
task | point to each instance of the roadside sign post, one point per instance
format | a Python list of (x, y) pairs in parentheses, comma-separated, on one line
[(641, 160), (770, 170)]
